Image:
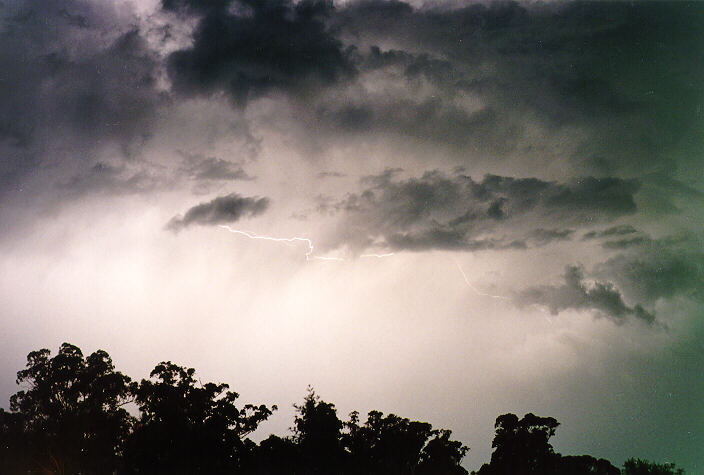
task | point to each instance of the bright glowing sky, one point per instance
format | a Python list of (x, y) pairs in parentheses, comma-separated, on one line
[(550, 152)]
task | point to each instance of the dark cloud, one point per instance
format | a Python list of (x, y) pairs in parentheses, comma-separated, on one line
[(625, 243), (97, 87), (431, 119), (221, 210), (449, 240), (413, 95), (659, 268), (576, 294), (620, 230), (202, 168), (626, 76), (76, 76), (327, 174), (609, 196), (437, 211), (253, 47), (544, 237), (111, 93), (195, 6), (117, 180)]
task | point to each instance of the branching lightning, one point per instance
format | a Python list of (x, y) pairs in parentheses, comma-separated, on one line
[(310, 256), (309, 244), (297, 239)]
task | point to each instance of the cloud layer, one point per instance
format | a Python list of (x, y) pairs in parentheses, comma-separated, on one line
[(437, 211), (76, 77)]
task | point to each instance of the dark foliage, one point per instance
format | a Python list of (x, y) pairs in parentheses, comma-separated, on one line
[(521, 446), (323, 444), (187, 427), (394, 445), (644, 467), (70, 419)]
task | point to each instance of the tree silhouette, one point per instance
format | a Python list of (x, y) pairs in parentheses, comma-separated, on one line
[(389, 444), (70, 418), (187, 427), (275, 456), (318, 433), (585, 464), (645, 467), (442, 455), (14, 448), (395, 445), (323, 444), (521, 446)]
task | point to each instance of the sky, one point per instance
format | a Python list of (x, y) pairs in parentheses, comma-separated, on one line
[(445, 210)]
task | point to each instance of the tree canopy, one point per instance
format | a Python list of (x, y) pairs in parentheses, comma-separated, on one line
[(188, 427), (522, 446), (644, 467), (70, 418)]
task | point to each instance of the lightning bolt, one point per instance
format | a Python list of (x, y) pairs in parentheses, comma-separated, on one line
[(310, 256), (309, 244), (476, 290), (378, 256)]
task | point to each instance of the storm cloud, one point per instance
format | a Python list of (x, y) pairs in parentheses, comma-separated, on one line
[(105, 178), (212, 168), (620, 230), (438, 168), (220, 210), (503, 80), (659, 268), (438, 211), (248, 48), (602, 297), (74, 66)]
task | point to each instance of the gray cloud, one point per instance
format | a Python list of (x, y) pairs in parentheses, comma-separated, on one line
[(220, 210), (77, 77), (419, 96), (620, 230), (575, 293), (195, 6), (543, 237), (329, 174), (437, 211), (429, 119), (659, 268), (554, 64), (118, 180), (202, 168), (625, 243), (534, 64), (248, 48)]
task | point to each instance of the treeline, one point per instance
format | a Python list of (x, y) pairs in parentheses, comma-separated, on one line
[(71, 418)]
